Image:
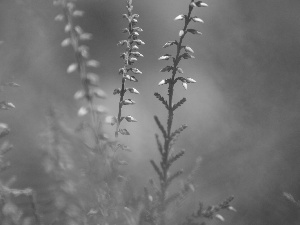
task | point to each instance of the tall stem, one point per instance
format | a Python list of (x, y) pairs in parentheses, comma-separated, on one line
[(165, 157)]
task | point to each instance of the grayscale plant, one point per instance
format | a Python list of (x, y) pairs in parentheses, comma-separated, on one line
[(156, 207), (130, 56)]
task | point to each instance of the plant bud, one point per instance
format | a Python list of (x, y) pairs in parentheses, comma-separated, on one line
[(180, 17)]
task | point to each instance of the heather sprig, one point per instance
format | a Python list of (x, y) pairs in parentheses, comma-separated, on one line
[(209, 212), (10, 212), (166, 151), (130, 56), (103, 173), (90, 81)]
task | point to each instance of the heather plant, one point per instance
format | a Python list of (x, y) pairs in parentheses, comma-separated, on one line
[(156, 208), (10, 213), (130, 57), (103, 173)]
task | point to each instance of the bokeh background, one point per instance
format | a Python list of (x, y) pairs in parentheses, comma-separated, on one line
[(243, 112)]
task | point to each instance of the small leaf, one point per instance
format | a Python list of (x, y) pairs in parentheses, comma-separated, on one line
[(232, 209), (134, 34), (167, 68), (66, 42), (122, 42), (135, 47), (79, 30), (138, 42), (169, 43), (187, 56), (181, 32), (219, 217), (137, 54), (80, 94), (184, 85), (83, 111), (72, 68), (130, 78), (92, 78), (112, 120), (138, 29), (201, 4), (124, 132), (193, 31), (132, 60), (85, 36), (128, 102), (136, 71), (117, 91), (197, 19), (180, 17), (190, 80), (92, 63), (78, 13), (97, 92), (192, 4), (165, 57), (68, 28), (163, 82), (133, 90), (59, 17), (130, 119), (100, 109), (179, 70), (188, 49)]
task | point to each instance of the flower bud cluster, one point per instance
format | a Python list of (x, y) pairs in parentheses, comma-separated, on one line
[(128, 72), (187, 50)]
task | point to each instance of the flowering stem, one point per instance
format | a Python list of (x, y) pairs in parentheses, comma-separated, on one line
[(165, 157)]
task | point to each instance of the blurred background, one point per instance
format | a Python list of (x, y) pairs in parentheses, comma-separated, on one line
[(243, 113)]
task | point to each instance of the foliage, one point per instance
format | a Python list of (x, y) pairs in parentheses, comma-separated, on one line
[(168, 156), (10, 213), (88, 185)]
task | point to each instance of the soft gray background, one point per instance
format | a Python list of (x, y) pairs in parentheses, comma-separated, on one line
[(243, 112)]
